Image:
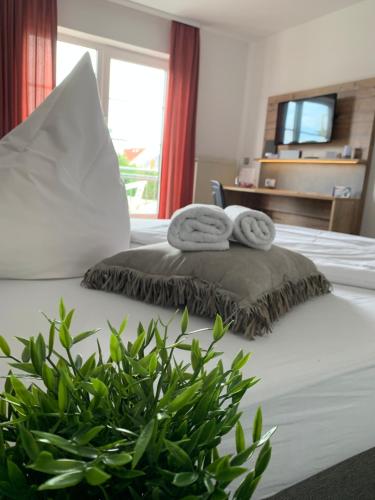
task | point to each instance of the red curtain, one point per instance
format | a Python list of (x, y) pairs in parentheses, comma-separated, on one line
[(177, 169), (28, 34)]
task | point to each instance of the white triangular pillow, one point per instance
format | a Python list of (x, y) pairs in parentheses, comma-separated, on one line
[(62, 204)]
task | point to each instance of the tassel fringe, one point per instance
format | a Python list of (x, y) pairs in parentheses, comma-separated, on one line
[(207, 299)]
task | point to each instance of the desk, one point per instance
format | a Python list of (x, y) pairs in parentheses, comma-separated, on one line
[(315, 210)]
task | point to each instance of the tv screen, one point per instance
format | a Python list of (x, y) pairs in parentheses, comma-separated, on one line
[(306, 121)]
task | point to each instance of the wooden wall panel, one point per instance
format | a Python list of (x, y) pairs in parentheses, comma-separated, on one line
[(353, 123)]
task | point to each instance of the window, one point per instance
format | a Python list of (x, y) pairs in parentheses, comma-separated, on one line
[(68, 54), (132, 91)]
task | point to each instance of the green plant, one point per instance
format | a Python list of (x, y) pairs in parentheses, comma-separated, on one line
[(140, 424)]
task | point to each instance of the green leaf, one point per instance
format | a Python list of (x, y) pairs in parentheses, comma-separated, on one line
[(65, 337), (257, 426), (64, 444), (183, 479), (219, 494), (137, 367), (247, 487), (100, 354), (4, 346), (113, 329), (25, 342), (182, 346), (266, 436), (100, 388), (26, 355), (22, 393), (229, 474), (218, 329), (62, 481), (116, 459), (47, 464), (150, 331), (160, 343), (142, 442), (66, 376), (48, 377), (196, 354), (88, 366), (96, 476), (8, 491), (62, 310), (28, 443), (243, 456), (185, 397), (219, 463), (209, 483), (62, 396), (15, 475), (243, 386), (138, 343), (178, 454), (51, 338), (184, 321), (36, 359), (40, 345), (84, 335), (240, 360), (8, 383), (25, 367), (78, 361), (115, 348), (89, 435), (68, 318), (129, 473), (263, 459), (123, 325), (240, 438), (153, 363)]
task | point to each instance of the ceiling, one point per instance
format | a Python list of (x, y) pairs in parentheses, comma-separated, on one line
[(244, 18)]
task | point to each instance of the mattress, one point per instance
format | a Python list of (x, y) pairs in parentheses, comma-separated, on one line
[(344, 258), (317, 368)]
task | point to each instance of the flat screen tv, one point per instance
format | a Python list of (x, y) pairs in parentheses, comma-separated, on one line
[(306, 121)]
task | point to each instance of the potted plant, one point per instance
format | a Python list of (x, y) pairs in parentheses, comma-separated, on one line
[(138, 424)]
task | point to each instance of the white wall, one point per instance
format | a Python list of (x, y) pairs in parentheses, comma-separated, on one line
[(222, 66), (221, 95), (113, 21), (332, 49)]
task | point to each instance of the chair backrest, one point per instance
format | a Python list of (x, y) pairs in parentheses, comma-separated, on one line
[(217, 193)]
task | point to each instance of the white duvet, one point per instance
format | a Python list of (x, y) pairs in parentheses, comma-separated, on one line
[(345, 259), (317, 368)]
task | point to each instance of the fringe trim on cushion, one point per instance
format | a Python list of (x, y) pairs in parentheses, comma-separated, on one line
[(206, 299)]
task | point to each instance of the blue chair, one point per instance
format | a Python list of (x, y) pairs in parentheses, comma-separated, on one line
[(218, 193)]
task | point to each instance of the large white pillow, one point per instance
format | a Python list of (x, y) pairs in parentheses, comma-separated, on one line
[(62, 203)]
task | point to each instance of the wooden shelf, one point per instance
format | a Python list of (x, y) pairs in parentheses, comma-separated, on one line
[(284, 192), (318, 161)]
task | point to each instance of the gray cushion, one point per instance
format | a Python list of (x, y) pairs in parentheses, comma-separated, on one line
[(251, 288)]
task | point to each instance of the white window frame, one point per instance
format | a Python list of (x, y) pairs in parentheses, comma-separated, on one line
[(107, 51)]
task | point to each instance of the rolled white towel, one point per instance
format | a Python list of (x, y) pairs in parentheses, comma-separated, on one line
[(251, 227), (200, 227)]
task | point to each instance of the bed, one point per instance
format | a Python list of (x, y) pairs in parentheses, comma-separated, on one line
[(317, 367)]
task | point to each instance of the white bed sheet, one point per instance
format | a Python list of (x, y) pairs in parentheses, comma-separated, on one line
[(343, 258), (317, 367)]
